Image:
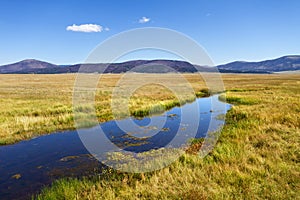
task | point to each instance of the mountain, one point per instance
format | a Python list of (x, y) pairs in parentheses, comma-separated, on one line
[(142, 66), (286, 63), (26, 66)]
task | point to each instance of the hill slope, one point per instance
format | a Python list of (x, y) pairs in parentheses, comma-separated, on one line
[(286, 63), (27, 66)]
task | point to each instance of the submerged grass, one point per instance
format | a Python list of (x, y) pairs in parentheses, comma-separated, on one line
[(256, 157)]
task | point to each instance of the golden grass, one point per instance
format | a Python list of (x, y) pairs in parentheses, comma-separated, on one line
[(257, 155), (31, 104), (39, 104)]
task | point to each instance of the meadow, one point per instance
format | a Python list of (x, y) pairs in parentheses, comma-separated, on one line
[(32, 105), (256, 157)]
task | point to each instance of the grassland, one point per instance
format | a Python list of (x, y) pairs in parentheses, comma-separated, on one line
[(32, 105), (257, 155)]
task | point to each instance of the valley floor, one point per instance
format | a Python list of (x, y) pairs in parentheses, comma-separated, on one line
[(256, 157)]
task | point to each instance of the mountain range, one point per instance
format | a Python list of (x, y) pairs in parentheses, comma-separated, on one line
[(286, 63)]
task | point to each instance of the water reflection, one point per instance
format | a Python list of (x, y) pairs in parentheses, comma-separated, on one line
[(29, 165)]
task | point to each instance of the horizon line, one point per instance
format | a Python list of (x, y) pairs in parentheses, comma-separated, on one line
[(156, 59)]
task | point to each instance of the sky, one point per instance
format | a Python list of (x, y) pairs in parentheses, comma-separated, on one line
[(66, 31)]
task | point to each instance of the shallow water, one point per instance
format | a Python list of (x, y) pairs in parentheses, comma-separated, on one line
[(29, 165)]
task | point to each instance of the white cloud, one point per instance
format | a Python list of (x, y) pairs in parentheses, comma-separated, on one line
[(144, 20), (86, 28)]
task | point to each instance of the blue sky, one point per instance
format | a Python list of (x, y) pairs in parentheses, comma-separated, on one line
[(229, 30)]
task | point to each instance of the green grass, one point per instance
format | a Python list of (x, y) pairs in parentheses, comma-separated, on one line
[(256, 157)]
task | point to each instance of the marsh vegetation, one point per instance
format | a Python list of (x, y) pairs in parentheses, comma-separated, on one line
[(32, 105), (257, 155)]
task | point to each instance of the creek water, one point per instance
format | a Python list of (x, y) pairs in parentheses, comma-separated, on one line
[(27, 166)]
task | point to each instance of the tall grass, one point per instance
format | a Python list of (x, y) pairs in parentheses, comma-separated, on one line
[(32, 104), (256, 157)]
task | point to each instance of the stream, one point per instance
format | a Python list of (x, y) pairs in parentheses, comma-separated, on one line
[(28, 166)]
